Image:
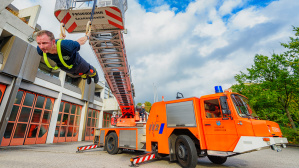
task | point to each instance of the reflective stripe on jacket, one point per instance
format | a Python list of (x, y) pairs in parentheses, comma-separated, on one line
[(60, 57)]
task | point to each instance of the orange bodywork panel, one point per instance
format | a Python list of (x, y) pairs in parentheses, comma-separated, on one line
[(274, 128), (158, 119), (116, 130), (220, 133), (260, 128), (126, 122)]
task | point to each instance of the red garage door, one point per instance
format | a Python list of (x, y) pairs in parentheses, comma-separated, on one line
[(92, 123), (68, 121), (29, 119)]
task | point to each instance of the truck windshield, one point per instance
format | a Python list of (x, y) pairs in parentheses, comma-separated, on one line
[(242, 106)]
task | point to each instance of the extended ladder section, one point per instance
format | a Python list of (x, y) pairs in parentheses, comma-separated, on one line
[(107, 41), (110, 50)]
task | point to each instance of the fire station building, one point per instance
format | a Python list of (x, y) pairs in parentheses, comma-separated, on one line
[(37, 104)]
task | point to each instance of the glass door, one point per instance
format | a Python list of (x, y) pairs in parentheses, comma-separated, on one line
[(68, 122)]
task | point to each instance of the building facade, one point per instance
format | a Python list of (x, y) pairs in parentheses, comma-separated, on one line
[(37, 104)]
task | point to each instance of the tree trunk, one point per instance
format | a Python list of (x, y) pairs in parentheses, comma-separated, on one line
[(290, 118)]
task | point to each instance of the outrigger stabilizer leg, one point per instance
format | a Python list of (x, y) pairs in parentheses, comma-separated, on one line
[(87, 147), (142, 158)]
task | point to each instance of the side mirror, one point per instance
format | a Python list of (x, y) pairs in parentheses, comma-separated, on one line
[(224, 105)]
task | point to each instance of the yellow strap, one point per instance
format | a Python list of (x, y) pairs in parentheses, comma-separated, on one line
[(60, 55), (94, 74), (47, 62), (83, 76)]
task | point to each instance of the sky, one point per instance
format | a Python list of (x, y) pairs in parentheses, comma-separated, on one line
[(190, 46)]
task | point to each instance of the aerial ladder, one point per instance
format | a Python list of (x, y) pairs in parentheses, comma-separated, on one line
[(105, 21)]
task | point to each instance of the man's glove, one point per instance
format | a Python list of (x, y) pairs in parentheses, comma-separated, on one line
[(94, 75)]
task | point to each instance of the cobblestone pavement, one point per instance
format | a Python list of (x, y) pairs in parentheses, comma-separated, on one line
[(64, 155)]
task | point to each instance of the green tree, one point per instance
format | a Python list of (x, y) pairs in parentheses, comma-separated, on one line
[(147, 104), (272, 84)]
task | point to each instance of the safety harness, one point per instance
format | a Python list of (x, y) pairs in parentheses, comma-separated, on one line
[(60, 57), (91, 73)]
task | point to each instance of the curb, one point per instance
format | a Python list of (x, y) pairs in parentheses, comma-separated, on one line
[(293, 145)]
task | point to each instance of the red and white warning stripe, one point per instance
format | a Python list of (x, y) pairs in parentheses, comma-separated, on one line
[(114, 17), (66, 18), (81, 148), (105, 18), (143, 158)]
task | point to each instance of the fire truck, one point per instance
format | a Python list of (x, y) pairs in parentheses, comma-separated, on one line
[(218, 126)]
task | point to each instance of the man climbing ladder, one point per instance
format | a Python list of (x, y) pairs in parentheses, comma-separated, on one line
[(65, 54)]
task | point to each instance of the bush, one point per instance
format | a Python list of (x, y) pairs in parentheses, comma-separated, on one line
[(291, 134)]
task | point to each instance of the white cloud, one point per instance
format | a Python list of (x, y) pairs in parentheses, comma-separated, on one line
[(228, 6), (216, 28), (164, 7), (248, 18), (207, 49)]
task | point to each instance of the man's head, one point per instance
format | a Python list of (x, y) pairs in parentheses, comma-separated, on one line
[(142, 105), (45, 40)]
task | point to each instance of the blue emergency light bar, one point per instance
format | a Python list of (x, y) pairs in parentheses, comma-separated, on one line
[(218, 89)]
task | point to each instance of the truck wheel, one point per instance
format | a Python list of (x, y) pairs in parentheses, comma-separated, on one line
[(111, 143), (217, 159), (185, 151)]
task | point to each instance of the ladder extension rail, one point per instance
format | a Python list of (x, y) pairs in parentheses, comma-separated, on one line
[(110, 51)]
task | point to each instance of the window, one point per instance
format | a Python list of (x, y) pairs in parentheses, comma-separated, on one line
[(98, 94), (92, 123), (72, 81), (46, 70), (212, 108), (107, 120), (68, 121), (242, 106)]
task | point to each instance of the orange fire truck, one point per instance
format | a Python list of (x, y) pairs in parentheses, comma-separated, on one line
[(218, 126)]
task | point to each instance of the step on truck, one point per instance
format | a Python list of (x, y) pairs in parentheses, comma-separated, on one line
[(218, 126)]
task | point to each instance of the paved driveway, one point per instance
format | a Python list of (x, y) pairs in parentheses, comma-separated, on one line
[(64, 155)]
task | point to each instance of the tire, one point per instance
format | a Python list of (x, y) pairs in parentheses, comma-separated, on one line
[(112, 143), (185, 151), (217, 159)]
